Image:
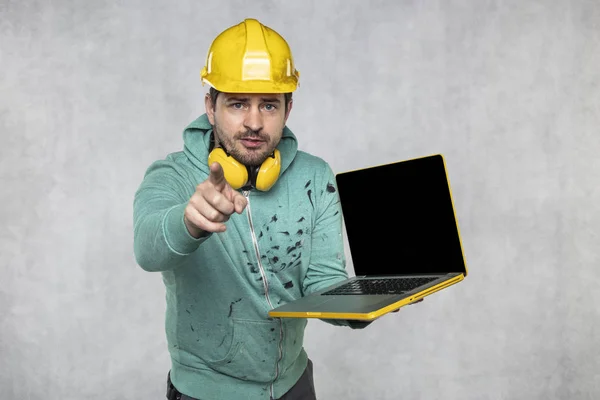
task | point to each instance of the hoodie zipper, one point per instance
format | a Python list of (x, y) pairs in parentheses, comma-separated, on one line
[(266, 286)]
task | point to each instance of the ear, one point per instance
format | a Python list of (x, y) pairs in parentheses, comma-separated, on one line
[(210, 109), (289, 109)]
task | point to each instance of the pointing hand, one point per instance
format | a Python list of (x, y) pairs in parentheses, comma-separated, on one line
[(212, 204)]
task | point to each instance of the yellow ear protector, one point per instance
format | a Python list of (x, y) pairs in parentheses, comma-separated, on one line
[(238, 175)]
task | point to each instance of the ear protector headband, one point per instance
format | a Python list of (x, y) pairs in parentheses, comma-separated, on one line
[(238, 175)]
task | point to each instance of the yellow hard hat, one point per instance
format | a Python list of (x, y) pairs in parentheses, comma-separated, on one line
[(250, 58)]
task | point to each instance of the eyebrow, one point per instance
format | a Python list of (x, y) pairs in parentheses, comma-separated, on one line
[(245, 99)]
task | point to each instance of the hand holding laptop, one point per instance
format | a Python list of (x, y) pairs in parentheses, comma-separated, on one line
[(355, 324), (414, 302)]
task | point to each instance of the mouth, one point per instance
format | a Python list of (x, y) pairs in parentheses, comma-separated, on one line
[(251, 143)]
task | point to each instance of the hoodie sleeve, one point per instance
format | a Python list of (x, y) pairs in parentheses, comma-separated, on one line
[(161, 239), (328, 261)]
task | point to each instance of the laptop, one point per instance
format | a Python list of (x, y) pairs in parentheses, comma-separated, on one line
[(403, 237)]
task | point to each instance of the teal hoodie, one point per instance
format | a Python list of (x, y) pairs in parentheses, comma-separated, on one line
[(223, 344)]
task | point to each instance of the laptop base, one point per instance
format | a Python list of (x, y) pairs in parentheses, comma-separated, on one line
[(357, 307)]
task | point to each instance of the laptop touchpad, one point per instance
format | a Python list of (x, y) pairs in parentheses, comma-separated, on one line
[(363, 303)]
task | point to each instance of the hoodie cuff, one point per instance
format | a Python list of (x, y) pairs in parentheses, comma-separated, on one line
[(176, 235)]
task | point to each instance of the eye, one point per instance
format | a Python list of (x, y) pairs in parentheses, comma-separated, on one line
[(237, 106), (270, 107)]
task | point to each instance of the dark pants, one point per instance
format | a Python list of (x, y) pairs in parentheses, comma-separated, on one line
[(304, 389)]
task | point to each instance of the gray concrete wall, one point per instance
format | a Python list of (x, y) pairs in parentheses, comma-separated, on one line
[(92, 92)]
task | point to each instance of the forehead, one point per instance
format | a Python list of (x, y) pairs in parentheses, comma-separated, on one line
[(253, 96)]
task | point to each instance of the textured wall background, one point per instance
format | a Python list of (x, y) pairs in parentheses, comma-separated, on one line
[(92, 92)]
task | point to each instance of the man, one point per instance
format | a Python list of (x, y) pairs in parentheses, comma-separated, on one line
[(238, 222)]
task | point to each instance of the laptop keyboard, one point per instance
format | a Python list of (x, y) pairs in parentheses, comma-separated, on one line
[(379, 286)]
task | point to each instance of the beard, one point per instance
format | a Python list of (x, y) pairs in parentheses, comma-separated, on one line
[(248, 157)]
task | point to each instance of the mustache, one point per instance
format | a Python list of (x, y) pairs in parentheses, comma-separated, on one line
[(253, 134)]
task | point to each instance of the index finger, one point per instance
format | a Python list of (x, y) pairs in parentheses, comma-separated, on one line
[(217, 176)]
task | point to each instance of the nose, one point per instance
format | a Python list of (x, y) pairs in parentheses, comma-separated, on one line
[(253, 120)]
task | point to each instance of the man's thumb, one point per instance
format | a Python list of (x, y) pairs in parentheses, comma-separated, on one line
[(239, 202)]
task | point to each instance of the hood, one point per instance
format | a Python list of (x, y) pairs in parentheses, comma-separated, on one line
[(196, 144)]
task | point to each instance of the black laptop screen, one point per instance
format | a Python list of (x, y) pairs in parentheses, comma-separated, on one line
[(399, 218)]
